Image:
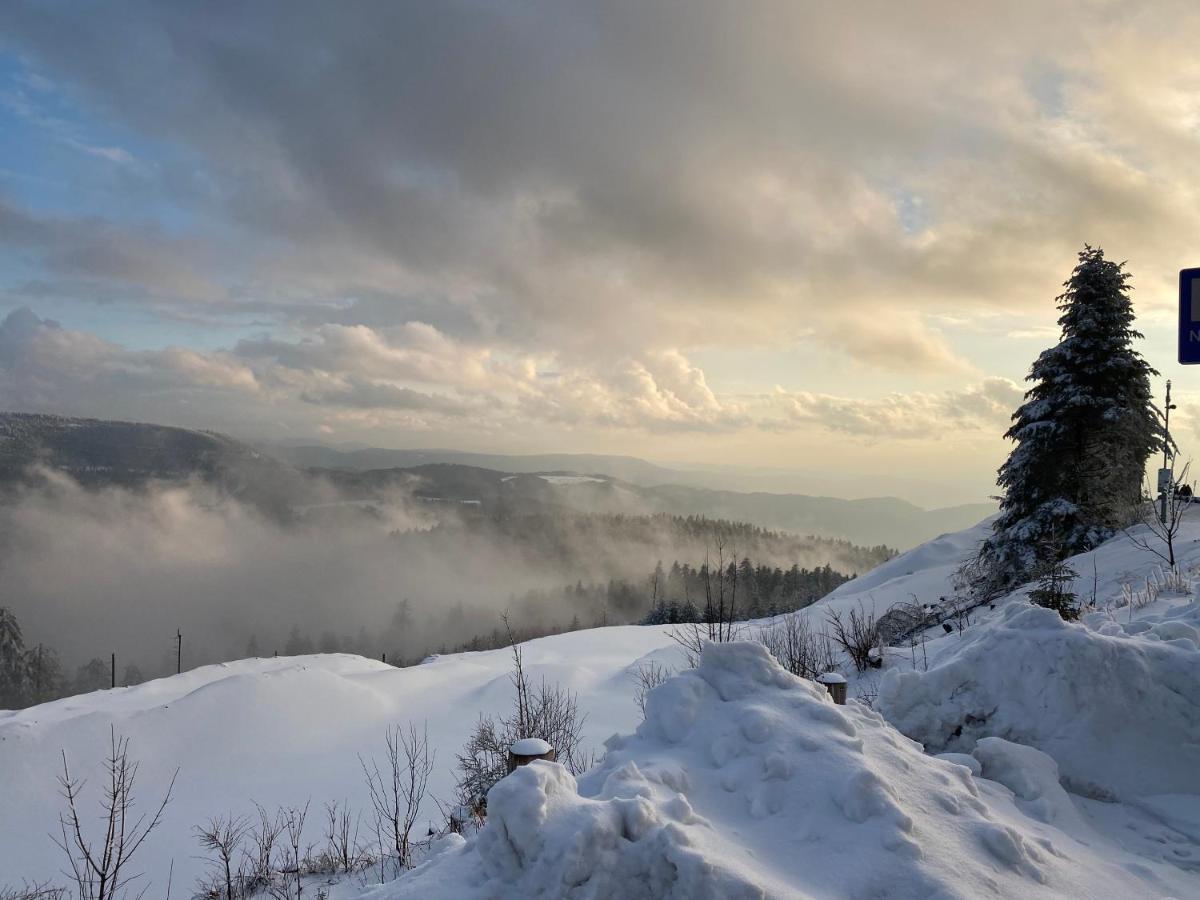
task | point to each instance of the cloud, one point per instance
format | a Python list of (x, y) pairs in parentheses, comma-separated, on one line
[(888, 339), (43, 365), (982, 409), (98, 261), (660, 177), (411, 377), (381, 395), (414, 374)]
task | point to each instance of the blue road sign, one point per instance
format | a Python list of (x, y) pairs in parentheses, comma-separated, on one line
[(1189, 316)]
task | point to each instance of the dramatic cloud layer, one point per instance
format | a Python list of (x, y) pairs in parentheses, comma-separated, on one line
[(536, 219)]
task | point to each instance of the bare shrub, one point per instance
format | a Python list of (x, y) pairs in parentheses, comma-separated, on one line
[(222, 838), (100, 867), (797, 647), (549, 712), (33, 890), (290, 884), (866, 690), (720, 613), (341, 838), (857, 634), (398, 789), (647, 677), (1175, 579), (1162, 521), (260, 854)]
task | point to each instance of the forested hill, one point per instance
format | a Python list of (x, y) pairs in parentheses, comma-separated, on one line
[(100, 453), (600, 546)]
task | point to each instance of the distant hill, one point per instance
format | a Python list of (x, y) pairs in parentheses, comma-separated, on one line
[(290, 480), (626, 468), (729, 477), (98, 452), (882, 520), (123, 452)]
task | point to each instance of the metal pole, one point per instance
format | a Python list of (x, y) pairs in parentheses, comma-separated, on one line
[(178, 651), (1162, 494), (113, 669)]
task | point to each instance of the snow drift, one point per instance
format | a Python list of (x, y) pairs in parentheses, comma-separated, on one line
[(745, 781), (1118, 707)]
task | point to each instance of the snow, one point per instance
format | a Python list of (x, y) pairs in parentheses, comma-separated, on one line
[(924, 571), (745, 781), (530, 747), (831, 678), (1103, 704), (1022, 757), (572, 479), (280, 731)]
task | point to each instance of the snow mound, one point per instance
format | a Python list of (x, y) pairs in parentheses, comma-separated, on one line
[(1115, 706), (1033, 778), (745, 781)]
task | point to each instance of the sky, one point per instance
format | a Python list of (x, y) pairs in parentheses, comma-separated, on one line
[(787, 235)]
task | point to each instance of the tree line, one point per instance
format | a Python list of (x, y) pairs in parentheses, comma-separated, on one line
[(34, 674)]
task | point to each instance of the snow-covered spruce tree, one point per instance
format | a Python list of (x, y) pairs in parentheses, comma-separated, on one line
[(14, 680), (1083, 434)]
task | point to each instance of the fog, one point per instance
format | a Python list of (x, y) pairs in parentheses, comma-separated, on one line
[(91, 572)]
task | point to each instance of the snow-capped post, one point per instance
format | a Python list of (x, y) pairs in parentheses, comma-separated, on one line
[(835, 683), (526, 750)]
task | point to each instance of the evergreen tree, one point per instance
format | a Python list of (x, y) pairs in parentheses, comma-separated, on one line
[(13, 669), (45, 674), (1053, 590), (93, 675), (329, 642), (298, 644), (1083, 434)]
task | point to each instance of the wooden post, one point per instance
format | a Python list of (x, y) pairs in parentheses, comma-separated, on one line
[(526, 750), (835, 683), (112, 662)]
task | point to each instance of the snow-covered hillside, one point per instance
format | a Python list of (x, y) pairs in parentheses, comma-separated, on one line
[(1072, 762)]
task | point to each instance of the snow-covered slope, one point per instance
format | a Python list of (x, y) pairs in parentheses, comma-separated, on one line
[(747, 782), (742, 781), (279, 732), (923, 574)]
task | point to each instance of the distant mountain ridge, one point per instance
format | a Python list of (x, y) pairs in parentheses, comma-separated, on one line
[(98, 449), (99, 452), (626, 468), (873, 520)]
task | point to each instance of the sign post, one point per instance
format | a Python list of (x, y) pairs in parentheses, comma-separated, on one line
[(1189, 317)]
